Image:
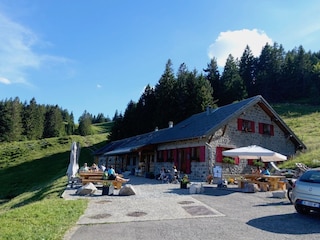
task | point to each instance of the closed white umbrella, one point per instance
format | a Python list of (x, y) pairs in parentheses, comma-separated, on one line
[(255, 152), (73, 165)]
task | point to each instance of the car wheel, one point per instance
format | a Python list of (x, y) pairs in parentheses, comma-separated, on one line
[(301, 209)]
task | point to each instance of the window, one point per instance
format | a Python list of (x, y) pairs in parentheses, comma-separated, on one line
[(170, 154), (245, 125), (266, 129), (160, 156), (195, 153)]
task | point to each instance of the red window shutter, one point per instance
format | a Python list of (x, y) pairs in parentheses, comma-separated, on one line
[(239, 124), (261, 128), (188, 153), (236, 160), (250, 162), (271, 130), (165, 155), (202, 154), (219, 154), (252, 126), (174, 153)]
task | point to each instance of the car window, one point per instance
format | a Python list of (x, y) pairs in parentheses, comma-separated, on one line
[(311, 176)]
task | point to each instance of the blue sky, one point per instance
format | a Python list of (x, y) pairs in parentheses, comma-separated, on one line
[(98, 55)]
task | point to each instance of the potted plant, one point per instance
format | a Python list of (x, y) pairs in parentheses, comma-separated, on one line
[(184, 181), (209, 178), (105, 187), (258, 163), (228, 160)]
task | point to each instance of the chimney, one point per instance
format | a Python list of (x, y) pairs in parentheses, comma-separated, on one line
[(170, 124), (208, 110)]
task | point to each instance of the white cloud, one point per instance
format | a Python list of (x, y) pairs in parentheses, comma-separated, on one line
[(4, 80), (17, 53), (234, 43)]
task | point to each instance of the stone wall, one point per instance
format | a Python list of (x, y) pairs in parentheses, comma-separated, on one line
[(231, 137)]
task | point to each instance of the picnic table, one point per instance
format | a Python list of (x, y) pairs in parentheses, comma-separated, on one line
[(97, 177), (271, 182)]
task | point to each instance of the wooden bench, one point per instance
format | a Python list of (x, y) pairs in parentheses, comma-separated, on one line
[(92, 180), (115, 183), (264, 186), (282, 185)]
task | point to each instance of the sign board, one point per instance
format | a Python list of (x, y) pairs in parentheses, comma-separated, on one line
[(217, 171)]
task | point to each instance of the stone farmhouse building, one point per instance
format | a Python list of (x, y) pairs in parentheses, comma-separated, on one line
[(195, 145)]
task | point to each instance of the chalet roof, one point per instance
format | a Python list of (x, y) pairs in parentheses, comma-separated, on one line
[(107, 148), (200, 125), (132, 143), (204, 123)]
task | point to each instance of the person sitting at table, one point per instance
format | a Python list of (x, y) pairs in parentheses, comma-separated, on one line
[(94, 167), (102, 167), (84, 168), (113, 176), (256, 171), (265, 171)]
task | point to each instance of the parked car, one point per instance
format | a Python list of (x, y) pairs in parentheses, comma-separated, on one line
[(306, 192)]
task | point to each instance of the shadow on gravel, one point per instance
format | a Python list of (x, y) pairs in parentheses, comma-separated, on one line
[(212, 191), (282, 203), (209, 191), (293, 223)]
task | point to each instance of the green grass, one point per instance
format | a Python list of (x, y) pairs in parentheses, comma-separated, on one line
[(33, 175), (102, 127), (304, 121), (40, 213)]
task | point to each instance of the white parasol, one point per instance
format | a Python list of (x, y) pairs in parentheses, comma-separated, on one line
[(255, 152), (74, 157)]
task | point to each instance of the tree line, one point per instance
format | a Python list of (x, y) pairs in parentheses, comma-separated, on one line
[(277, 75), (31, 121)]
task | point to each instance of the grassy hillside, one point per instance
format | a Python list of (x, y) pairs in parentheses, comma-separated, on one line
[(101, 128), (33, 177), (304, 121)]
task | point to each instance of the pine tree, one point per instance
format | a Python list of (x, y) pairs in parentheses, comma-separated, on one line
[(165, 92), (234, 88), (33, 120), (54, 126), (85, 122), (213, 76), (247, 70)]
